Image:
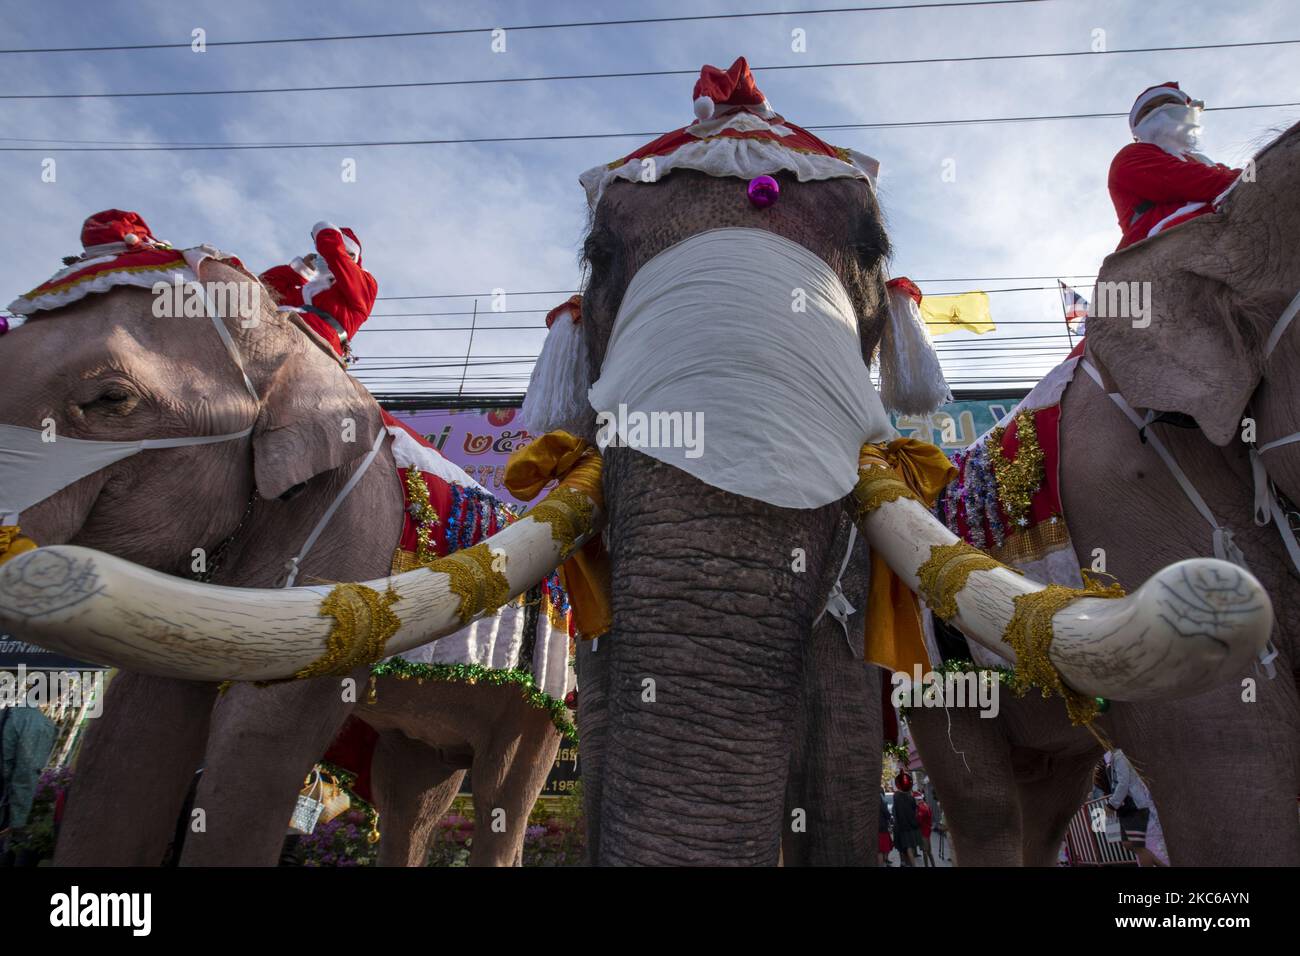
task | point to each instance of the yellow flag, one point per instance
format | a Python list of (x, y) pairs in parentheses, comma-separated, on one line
[(953, 313)]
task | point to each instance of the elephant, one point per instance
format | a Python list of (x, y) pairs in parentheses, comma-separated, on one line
[(105, 368), (1216, 288), (694, 697), (698, 776)]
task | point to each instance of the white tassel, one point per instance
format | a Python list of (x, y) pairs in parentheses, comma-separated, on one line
[(557, 391), (911, 379)]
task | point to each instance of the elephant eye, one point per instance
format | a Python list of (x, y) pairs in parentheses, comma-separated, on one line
[(114, 398), (597, 252)]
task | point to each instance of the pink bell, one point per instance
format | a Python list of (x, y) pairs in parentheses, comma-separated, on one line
[(763, 191)]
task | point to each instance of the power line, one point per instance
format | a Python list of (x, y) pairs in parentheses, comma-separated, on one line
[(640, 74), (561, 137), (461, 31), (568, 292)]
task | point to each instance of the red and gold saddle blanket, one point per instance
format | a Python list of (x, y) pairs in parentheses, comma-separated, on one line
[(447, 510), (1007, 497)]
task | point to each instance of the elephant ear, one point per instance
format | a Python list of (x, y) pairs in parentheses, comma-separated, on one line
[(315, 418), (1202, 352)]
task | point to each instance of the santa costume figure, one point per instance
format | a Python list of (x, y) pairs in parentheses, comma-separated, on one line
[(1160, 179), (329, 288)]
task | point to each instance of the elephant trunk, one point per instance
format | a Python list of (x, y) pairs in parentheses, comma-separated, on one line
[(712, 604)]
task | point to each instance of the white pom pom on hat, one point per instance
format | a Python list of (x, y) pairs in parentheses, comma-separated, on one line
[(704, 107)]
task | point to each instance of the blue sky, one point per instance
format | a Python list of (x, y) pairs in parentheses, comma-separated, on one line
[(1027, 200)]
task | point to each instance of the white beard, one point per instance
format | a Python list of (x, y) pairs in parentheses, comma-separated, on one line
[(1174, 134)]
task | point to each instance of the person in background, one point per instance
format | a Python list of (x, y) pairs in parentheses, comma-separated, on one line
[(1132, 802), (885, 845), (1161, 179), (27, 738), (924, 821), (907, 833)]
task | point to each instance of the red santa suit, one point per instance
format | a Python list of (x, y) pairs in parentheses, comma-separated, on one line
[(286, 282), (1159, 181), (338, 299)]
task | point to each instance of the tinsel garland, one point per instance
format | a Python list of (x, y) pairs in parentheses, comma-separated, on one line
[(422, 513), (897, 751), (1018, 480), (403, 669), (1004, 675), (475, 515)]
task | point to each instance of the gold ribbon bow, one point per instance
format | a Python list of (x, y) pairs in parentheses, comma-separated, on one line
[(902, 468), (585, 574), (13, 542)]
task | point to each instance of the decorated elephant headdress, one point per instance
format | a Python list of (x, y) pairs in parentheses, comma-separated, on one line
[(736, 134)]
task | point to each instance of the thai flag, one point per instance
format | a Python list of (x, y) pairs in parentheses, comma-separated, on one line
[(1075, 305)]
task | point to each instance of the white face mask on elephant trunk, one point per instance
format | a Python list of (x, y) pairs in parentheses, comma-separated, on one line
[(35, 464), (736, 357)]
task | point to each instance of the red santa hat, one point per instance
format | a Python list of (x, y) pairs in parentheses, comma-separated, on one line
[(115, 230), (118, 249), (1154, 93), (903, 781), (722, 91), (738, 135)]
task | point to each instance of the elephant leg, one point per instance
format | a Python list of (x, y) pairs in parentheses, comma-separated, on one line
[(969, 762), (506, 777), (1251, 732), (413, 790), (262, 745), (1050, 800), (593, 725), (831, 796), (133, 771)]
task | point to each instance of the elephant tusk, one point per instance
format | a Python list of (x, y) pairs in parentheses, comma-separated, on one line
[(94, 606), (1191, 627)]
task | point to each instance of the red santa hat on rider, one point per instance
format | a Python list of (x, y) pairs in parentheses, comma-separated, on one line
[(1160, 91)]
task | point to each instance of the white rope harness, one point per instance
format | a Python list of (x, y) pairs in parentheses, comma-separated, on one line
[(837, 604), (294, 563)]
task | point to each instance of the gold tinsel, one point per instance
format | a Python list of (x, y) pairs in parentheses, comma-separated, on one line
[(424, 514), (363, 623), (878, 485), (474, 580), (1018, 480), (1030, 634), (568, 512), (945, 572)]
